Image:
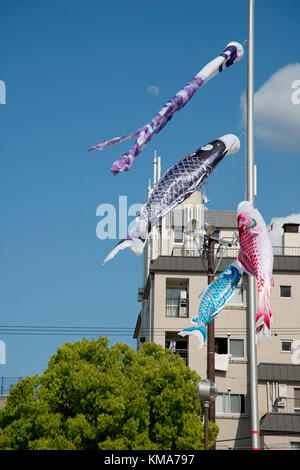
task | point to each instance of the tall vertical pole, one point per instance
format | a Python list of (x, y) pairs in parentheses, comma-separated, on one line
[(210, 326), (206, 440), (251, 196)]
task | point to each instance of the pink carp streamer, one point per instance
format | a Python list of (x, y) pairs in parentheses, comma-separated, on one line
[(256, 255), (232, 53)]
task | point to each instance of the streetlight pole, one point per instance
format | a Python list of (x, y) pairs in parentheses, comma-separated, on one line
[(206, 413), (206, 391), (251, 196)]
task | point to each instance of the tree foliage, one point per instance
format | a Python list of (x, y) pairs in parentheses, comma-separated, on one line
[(94, 397)]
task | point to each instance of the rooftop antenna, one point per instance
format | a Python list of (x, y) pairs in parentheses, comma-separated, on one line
[(149, 188), (156, 173), (158, 168), (154, 169)]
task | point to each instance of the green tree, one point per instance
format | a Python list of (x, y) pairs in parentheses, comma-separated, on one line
[(94, 397)]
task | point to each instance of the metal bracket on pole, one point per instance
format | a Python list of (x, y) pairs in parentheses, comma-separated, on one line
[(219, 252)]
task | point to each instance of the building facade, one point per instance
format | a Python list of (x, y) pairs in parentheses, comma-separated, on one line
[(175, 273)]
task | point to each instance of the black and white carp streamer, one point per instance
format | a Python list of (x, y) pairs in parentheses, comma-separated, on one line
[(176, 185)]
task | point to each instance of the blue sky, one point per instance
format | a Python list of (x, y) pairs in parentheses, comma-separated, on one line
[(76, 73)]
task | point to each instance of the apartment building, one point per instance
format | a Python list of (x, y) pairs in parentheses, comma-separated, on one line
[(175, 272)]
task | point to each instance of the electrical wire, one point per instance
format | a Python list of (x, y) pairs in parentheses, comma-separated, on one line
[(116, 331), (65, 331), (121, 331), (234, 439)]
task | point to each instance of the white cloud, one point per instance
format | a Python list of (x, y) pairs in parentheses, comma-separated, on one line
[(277, 109), (277, 231), (153, 90)]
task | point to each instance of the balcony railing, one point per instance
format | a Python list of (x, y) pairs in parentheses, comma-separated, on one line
[(227, 252), (179, 251), (182, 353), (232, 252), (286, 405), (6, 383), (286, 250)]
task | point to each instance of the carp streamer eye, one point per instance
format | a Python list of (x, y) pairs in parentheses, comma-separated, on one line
[(207, 147)]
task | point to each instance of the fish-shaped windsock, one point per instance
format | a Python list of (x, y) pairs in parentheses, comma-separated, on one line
[(214, 298), (177, 184), (232, 53), (256, 256)]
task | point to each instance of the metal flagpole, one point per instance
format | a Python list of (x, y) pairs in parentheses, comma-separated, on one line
[(251, 196)]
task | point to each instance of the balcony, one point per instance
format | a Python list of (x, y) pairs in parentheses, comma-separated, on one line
[(284, 419), (183, 353), (286, 405), (177, 345)]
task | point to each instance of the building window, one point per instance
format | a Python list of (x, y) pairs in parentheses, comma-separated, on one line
[(295, 445), (232, 346), (285, 291), (236, 347), (178, 223), (221, 345), (286, 346), (177, 345), (176, 302), (297, 399), (178, 234), (230, 403)]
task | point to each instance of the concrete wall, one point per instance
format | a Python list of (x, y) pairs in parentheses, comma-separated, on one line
[(278, 442), (286, 320)]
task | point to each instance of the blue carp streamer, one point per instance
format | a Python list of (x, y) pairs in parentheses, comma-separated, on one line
[(214, 298)]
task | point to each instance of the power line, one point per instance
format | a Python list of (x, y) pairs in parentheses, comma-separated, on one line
[(116, 331), (234, 439), (64, 330)]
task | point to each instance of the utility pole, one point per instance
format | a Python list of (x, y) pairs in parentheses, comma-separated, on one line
[(211, 325), (251, 195), (210, 242), (209, 254)]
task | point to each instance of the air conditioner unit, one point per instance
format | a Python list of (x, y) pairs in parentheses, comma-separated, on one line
[(280, 402), (183, 294)]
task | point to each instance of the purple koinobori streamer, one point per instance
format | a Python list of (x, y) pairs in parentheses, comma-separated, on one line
[(233, 52)]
